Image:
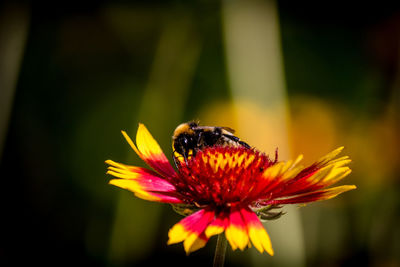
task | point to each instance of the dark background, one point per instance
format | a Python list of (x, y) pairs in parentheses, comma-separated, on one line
[(82, 77)]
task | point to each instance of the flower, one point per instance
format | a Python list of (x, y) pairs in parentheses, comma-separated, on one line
[(225, 189)]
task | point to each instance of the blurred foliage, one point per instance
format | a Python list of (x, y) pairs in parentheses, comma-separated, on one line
[(92, 69)]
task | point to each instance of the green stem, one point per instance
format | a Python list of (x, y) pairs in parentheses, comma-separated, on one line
[(220, 249)]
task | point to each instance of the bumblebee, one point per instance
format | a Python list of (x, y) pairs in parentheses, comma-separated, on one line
[(190, 137)]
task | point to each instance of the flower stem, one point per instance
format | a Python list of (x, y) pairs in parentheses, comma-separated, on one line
[(220, 249)]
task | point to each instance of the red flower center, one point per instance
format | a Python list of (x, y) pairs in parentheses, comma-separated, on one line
[(223, 176)]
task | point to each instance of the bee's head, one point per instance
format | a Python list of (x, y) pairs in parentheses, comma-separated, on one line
[(184, 128), (183, 137)]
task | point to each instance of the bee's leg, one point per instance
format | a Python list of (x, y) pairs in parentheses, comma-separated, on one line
[(177, 161), (174, 158), (198, 141), (185, 156)]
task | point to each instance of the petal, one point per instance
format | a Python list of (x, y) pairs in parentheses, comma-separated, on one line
[(217, 226), (146, 179), (194, 242), (144, 183), (280, 175), (236, 232), (315, 195), (149, 150), (325, 172), (257, 233), (191, 230), (133, 186), (328, 157)]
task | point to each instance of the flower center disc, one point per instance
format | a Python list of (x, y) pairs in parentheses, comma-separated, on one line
[(223, 176)]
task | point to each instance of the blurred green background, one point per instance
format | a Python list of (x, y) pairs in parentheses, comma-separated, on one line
[(303, 77)]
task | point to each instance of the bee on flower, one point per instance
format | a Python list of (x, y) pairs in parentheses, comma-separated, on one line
[(223, 185), (190, 137)]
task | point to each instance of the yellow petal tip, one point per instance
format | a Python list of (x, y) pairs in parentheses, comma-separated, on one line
[(177, 234)]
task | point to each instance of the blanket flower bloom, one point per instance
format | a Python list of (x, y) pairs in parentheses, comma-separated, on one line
[(226, 189)]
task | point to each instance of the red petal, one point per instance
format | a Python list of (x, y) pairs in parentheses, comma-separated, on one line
[(144, 183), (314, 196), (236, 232)]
